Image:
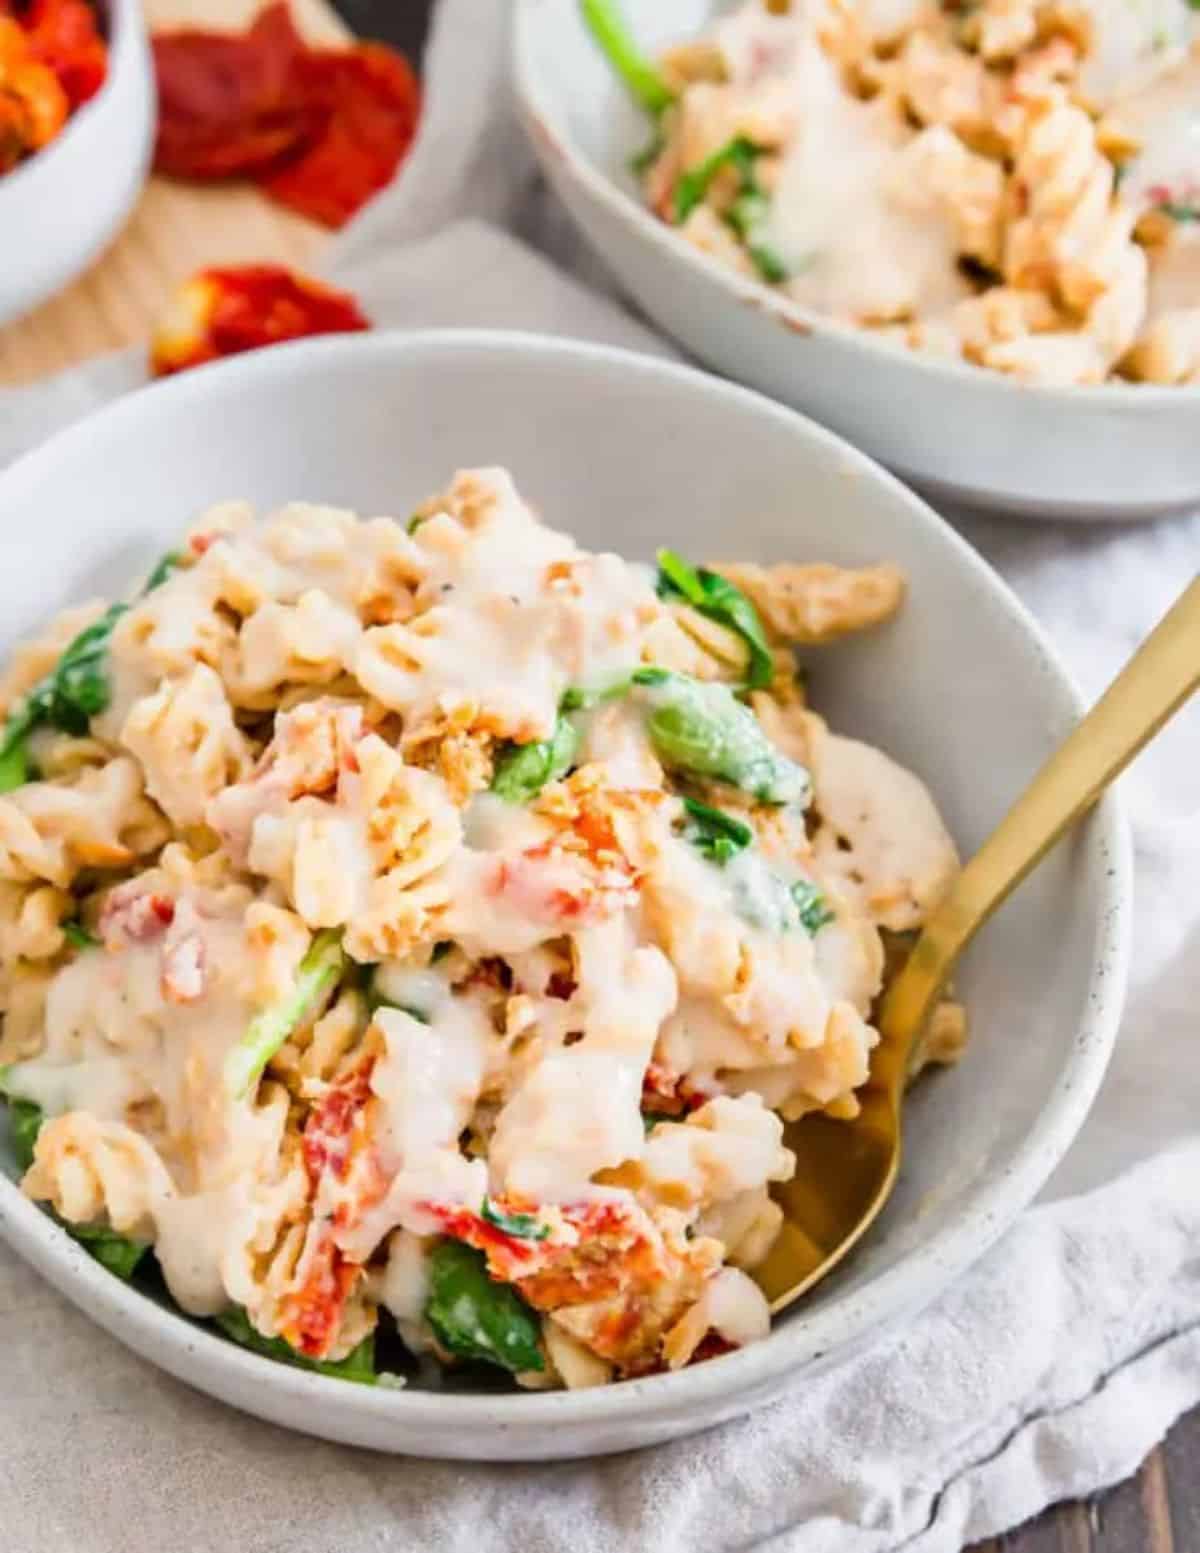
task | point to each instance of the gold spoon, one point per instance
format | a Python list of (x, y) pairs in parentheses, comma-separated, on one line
[(845, 1171)]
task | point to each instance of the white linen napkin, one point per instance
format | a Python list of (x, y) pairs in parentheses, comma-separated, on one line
[(1048, 1372)]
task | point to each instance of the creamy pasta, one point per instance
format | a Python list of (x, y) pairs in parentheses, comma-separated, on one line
[(435, 925), (1014, 183)]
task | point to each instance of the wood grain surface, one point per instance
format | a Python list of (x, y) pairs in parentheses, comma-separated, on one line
[(176, 228)]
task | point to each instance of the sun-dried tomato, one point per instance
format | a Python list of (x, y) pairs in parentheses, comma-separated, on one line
[(221, 312), (322, 129), (231, 104), (372, 102)]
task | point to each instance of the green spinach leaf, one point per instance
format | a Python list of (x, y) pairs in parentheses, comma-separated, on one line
[(75, 690), (117, 1253), (474, 1317), (320, 971), (612, 33), (768, 263), (25, 1118), (524, 1226), (703, 730), (691, 187), (358, 1365), (522, 770), (163, 569), (78, 936), (812, 906), (718, 835), (718, 599), (748, 212)]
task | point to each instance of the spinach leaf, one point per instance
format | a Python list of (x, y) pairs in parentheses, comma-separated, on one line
[(763, 900), (163, 569), (703, 730), (761, 896), (117, 1253), (579, 699), (812, 906), (75, 690), (692, 186), (358, 1365), (768, 902), (718, 599), (14, 757), (78, 936), (376, 1000), (524, 1226), (1171, 208), (25, 1118), (768, 263), (642, 161), (612, 33), (79, 687), (522, 770), (746, 216), (717, 834), (476, 1318), (320, 971), (748, 212)]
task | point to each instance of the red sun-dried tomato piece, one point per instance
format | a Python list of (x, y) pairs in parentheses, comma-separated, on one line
[(372, 102), (232, 104), (322, 129), (222, 312)]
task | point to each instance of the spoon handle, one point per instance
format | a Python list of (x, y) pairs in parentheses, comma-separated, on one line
[(1155, 682)]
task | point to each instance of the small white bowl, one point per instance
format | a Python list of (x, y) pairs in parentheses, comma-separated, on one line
[(59, 208), (1113, 452), (629, 453)]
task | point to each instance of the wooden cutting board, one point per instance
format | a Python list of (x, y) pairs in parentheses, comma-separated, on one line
[(174, 229)]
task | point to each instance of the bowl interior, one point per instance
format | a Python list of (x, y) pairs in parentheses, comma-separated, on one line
[(629, 454)]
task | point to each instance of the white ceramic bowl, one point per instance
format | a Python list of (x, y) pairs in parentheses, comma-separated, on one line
[(1112, 452), (630, 453), (59, 208)]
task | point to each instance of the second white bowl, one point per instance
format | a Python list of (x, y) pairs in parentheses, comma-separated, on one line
[(60, 208), (1113, 452)]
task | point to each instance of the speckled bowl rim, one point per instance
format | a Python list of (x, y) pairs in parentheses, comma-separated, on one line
[(540, 122), (205, 1360)]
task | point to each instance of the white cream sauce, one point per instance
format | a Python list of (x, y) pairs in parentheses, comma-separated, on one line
[(864, 242), (1132, 43), (117, 1039), (429, 1076), (578, 1111), (1166, 119)]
